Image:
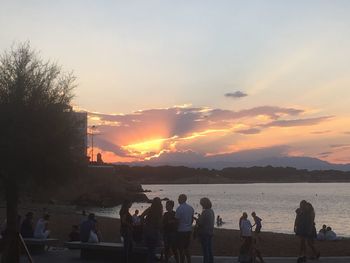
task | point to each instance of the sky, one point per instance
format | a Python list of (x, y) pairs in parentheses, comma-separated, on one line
[(206, 77)]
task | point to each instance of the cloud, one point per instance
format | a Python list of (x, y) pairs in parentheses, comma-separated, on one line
[(249, 131), (321, 132), (236, 94), (297, 122), (146, 133)]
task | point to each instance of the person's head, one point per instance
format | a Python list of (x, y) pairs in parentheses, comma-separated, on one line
[(329, 228), (182, 198), (91, 216), (205, 203), (75, 228), (125, 207), (46, 217), (324, 227), (303, 204), (245, 215), (169, 206), (137, 212), (29, 215), (253, 214)]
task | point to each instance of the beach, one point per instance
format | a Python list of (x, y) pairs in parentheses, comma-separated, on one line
[(225, 243)]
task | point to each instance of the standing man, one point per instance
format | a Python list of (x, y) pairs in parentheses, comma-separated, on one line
[(184, 214)]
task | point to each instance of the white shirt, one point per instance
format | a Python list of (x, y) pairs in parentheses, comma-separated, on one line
[(331, 235), (246, 228), (184, 213), (40, 229)]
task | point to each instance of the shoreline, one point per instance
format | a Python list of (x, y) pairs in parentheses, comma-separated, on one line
[(226, 242)]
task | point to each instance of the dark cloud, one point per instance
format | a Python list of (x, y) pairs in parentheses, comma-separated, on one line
[(338, 146), (324, 154), (249, 131), (236, 94), (297, 122), (321, 132), (109, 146)]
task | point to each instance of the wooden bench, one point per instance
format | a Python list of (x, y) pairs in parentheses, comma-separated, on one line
[(37, 245), (109, 251)]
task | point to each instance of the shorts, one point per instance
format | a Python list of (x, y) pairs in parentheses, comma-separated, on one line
[(184, 239)]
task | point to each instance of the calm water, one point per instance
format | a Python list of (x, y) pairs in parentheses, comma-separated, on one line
[(274, 203)]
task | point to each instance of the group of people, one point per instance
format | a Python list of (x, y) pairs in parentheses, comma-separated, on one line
[(326, 233), (28, 229), (250, 245), (174, 227)]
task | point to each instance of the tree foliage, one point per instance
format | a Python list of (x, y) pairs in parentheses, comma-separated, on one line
[(38, 128)]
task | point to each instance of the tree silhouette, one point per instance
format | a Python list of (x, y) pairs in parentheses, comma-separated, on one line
[(38, 130)]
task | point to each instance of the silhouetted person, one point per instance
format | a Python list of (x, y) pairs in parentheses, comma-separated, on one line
[(206, 223), (152, 228), (169, 232), (126, 230), (42, 227), (86, 227), (27, 227), (184, 214), (74, 235), (257, 223), (304, 228), (99, 159)]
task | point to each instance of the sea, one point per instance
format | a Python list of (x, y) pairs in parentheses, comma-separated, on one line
[(275, 203)]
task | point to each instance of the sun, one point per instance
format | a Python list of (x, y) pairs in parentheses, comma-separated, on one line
[(144, 147)]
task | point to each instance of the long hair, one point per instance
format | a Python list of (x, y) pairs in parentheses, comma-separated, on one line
[(125, 207), (155, 212)]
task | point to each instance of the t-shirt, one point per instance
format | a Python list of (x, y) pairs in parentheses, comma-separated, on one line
[(206, 222), (40, 229), (85, 229), (184, 214), (246, 228), (257, 221), (169, 222), (27, 228), (136, 220), (331, 235)]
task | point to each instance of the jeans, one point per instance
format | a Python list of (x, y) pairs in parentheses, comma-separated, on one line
[(206, 242)]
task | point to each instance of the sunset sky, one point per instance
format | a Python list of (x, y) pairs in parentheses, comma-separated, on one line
[(202, 77)]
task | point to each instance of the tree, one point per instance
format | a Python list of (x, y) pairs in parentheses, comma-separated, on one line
[(37, 130)]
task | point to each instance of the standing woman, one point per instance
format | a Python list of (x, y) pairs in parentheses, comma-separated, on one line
[(206, 223), (304, 228), (126, 230), (152, 227)]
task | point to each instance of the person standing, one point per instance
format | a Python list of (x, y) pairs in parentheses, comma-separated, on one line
[(184, 214), (257, 223), (206, 230), (169, 232), (152, 228), (126, 229), (304, 228), (246, 235)]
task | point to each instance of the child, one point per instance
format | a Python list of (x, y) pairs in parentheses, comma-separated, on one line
[(257, 223)]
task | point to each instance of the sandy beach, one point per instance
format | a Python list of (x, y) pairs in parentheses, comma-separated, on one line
[(226, 242)]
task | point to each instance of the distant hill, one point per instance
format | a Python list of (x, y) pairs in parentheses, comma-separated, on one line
[(243, 159), (187, 175)]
